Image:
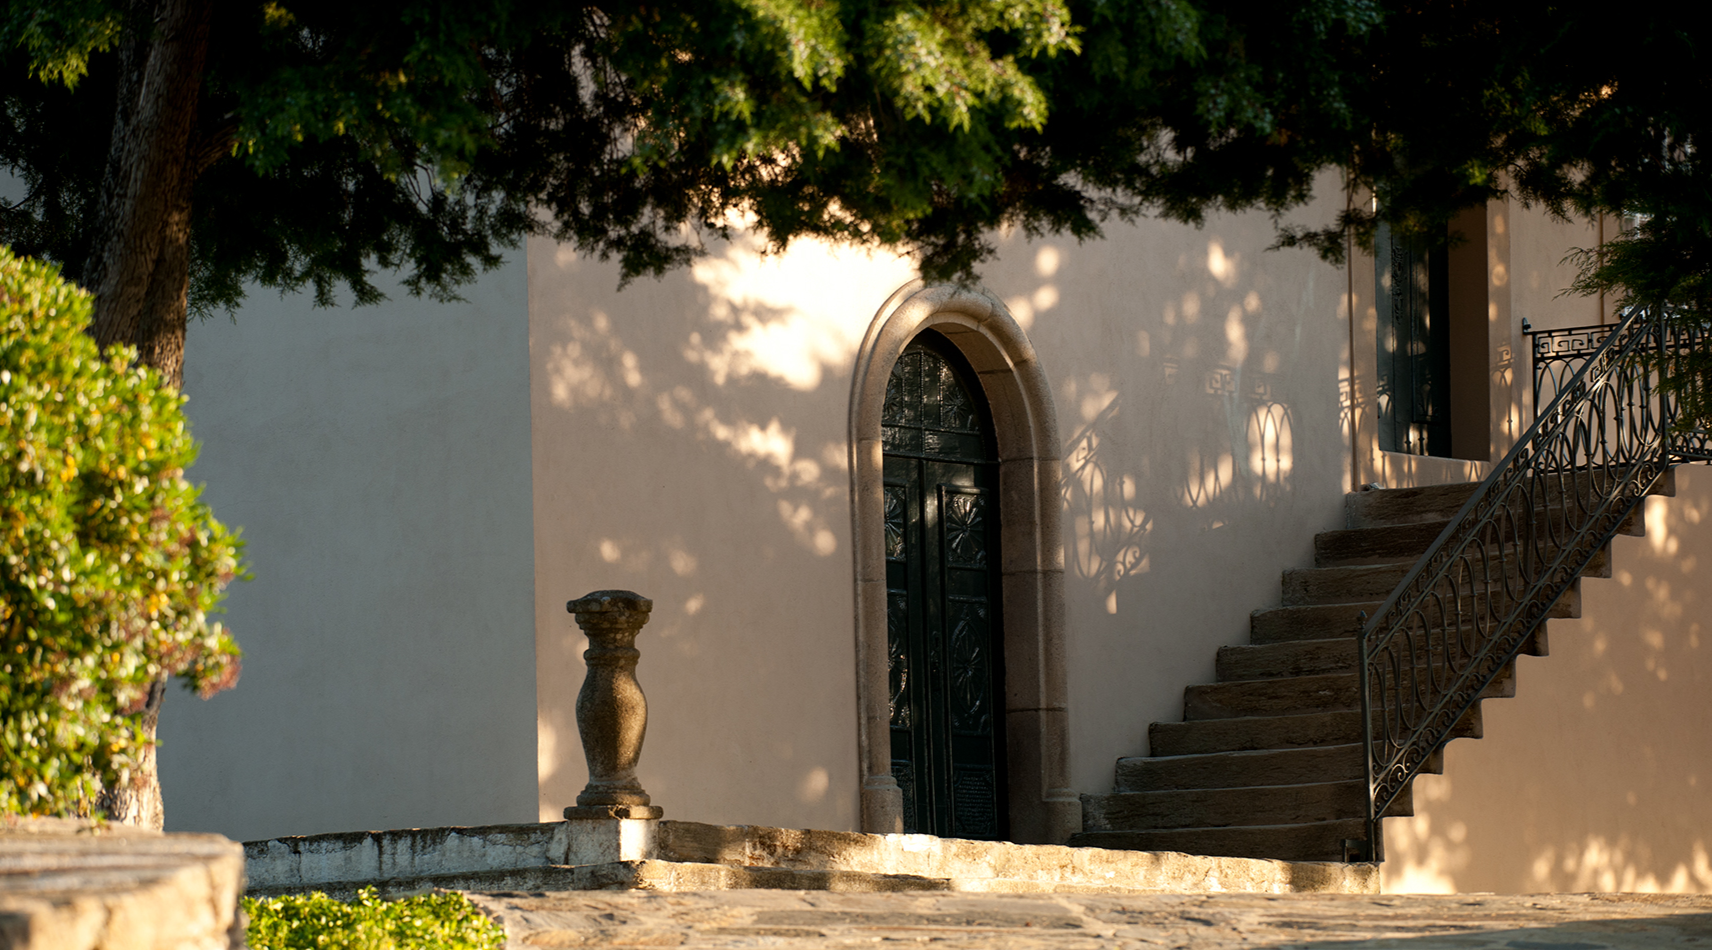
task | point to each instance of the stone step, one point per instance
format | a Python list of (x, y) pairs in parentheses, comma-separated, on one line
[(1308, 586), (1275, 732), (1293, 695), (643, 874), (1220, 807), (1272, 697), (1399, 544), (1666, 487), (1311, 657), (1290, 658), (973, 865), (1330, 763), (1313, 841), (1397, 506), (1392, 506), (681, 855), (1331, 621), (1312, 622), (1381, 544)]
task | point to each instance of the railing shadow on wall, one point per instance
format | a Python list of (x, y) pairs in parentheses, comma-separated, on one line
[(1607, 435), (1244, 456), (1239, 456)]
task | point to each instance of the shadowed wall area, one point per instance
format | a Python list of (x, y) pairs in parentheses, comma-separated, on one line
[(377, 459)]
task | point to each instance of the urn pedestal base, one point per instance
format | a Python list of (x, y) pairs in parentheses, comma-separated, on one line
[(606, 840)]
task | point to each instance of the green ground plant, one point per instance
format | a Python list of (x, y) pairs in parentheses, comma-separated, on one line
[(109, 563), (423, 922)]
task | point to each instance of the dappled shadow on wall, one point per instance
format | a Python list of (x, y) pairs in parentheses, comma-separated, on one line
[(1598, 775), (691, 435), (1211, 432)]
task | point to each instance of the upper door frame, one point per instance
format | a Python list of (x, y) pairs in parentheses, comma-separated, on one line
[(1043, 807)]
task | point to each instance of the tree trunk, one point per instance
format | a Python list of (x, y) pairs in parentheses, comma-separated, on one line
[(139, 265), (139, 260), (138, 802)]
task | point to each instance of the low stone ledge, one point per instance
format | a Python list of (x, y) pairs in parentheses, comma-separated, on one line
[(1009, 867), (68, 885), (306, 862), (685, 855)]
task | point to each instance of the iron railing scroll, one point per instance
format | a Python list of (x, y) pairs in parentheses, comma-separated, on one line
[(1471, 603)]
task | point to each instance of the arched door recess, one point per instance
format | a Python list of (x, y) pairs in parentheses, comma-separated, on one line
[(1042, 808), (943, 625)]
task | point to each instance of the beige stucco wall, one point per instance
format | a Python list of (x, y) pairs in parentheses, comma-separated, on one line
[(1598, 774), (690, 443), (424, 486), (377, 459), (1595, 777)]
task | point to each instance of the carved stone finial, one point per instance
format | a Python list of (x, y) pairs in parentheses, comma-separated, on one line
[(612, 715)]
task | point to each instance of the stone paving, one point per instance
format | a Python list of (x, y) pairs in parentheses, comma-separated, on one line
[(818, 919)]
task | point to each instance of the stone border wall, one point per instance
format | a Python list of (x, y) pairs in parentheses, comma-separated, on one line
[(651, 855)]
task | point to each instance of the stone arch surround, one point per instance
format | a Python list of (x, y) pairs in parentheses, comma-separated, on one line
[(1043, 807)]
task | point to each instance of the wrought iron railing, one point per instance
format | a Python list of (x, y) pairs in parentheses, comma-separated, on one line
[(1607, 434), (1558, 354)]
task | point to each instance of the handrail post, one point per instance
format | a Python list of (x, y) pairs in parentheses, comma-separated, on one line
[(1373, 850)]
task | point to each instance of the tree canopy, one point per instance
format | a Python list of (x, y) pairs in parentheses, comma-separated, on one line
[(337, 138), (423, 134)]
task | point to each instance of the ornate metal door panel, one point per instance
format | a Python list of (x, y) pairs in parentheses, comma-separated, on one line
[(942, 580), (1414, 345)]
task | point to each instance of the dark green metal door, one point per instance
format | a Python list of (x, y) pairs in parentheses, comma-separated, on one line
[(1414, 344), (942, 597)]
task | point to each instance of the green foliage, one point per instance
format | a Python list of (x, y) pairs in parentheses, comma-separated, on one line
[(318, 922), (427, 134), (109, 565), (1664, 265), (61, 35)]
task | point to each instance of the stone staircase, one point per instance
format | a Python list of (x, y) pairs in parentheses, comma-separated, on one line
[(1267, 761)]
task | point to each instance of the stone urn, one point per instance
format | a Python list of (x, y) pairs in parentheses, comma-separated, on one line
[(612, 714)]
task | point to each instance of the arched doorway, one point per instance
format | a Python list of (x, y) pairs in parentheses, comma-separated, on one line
[(1033, 797), (943, 631)]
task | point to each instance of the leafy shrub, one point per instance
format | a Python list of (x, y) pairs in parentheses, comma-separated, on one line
[(437, 921), (109, 565)]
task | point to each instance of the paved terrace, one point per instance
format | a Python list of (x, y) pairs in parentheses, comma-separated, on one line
[(818, 919)]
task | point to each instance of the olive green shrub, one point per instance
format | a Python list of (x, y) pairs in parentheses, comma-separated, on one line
[(318, 922), (109, 565)]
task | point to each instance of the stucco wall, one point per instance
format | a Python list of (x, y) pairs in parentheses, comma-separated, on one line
[(377, 459), (690, 443), (1197, 377), (1598, 775), (423, 487), (1595, 776)]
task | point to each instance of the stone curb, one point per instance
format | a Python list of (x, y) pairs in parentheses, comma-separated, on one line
[(68, 886)]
